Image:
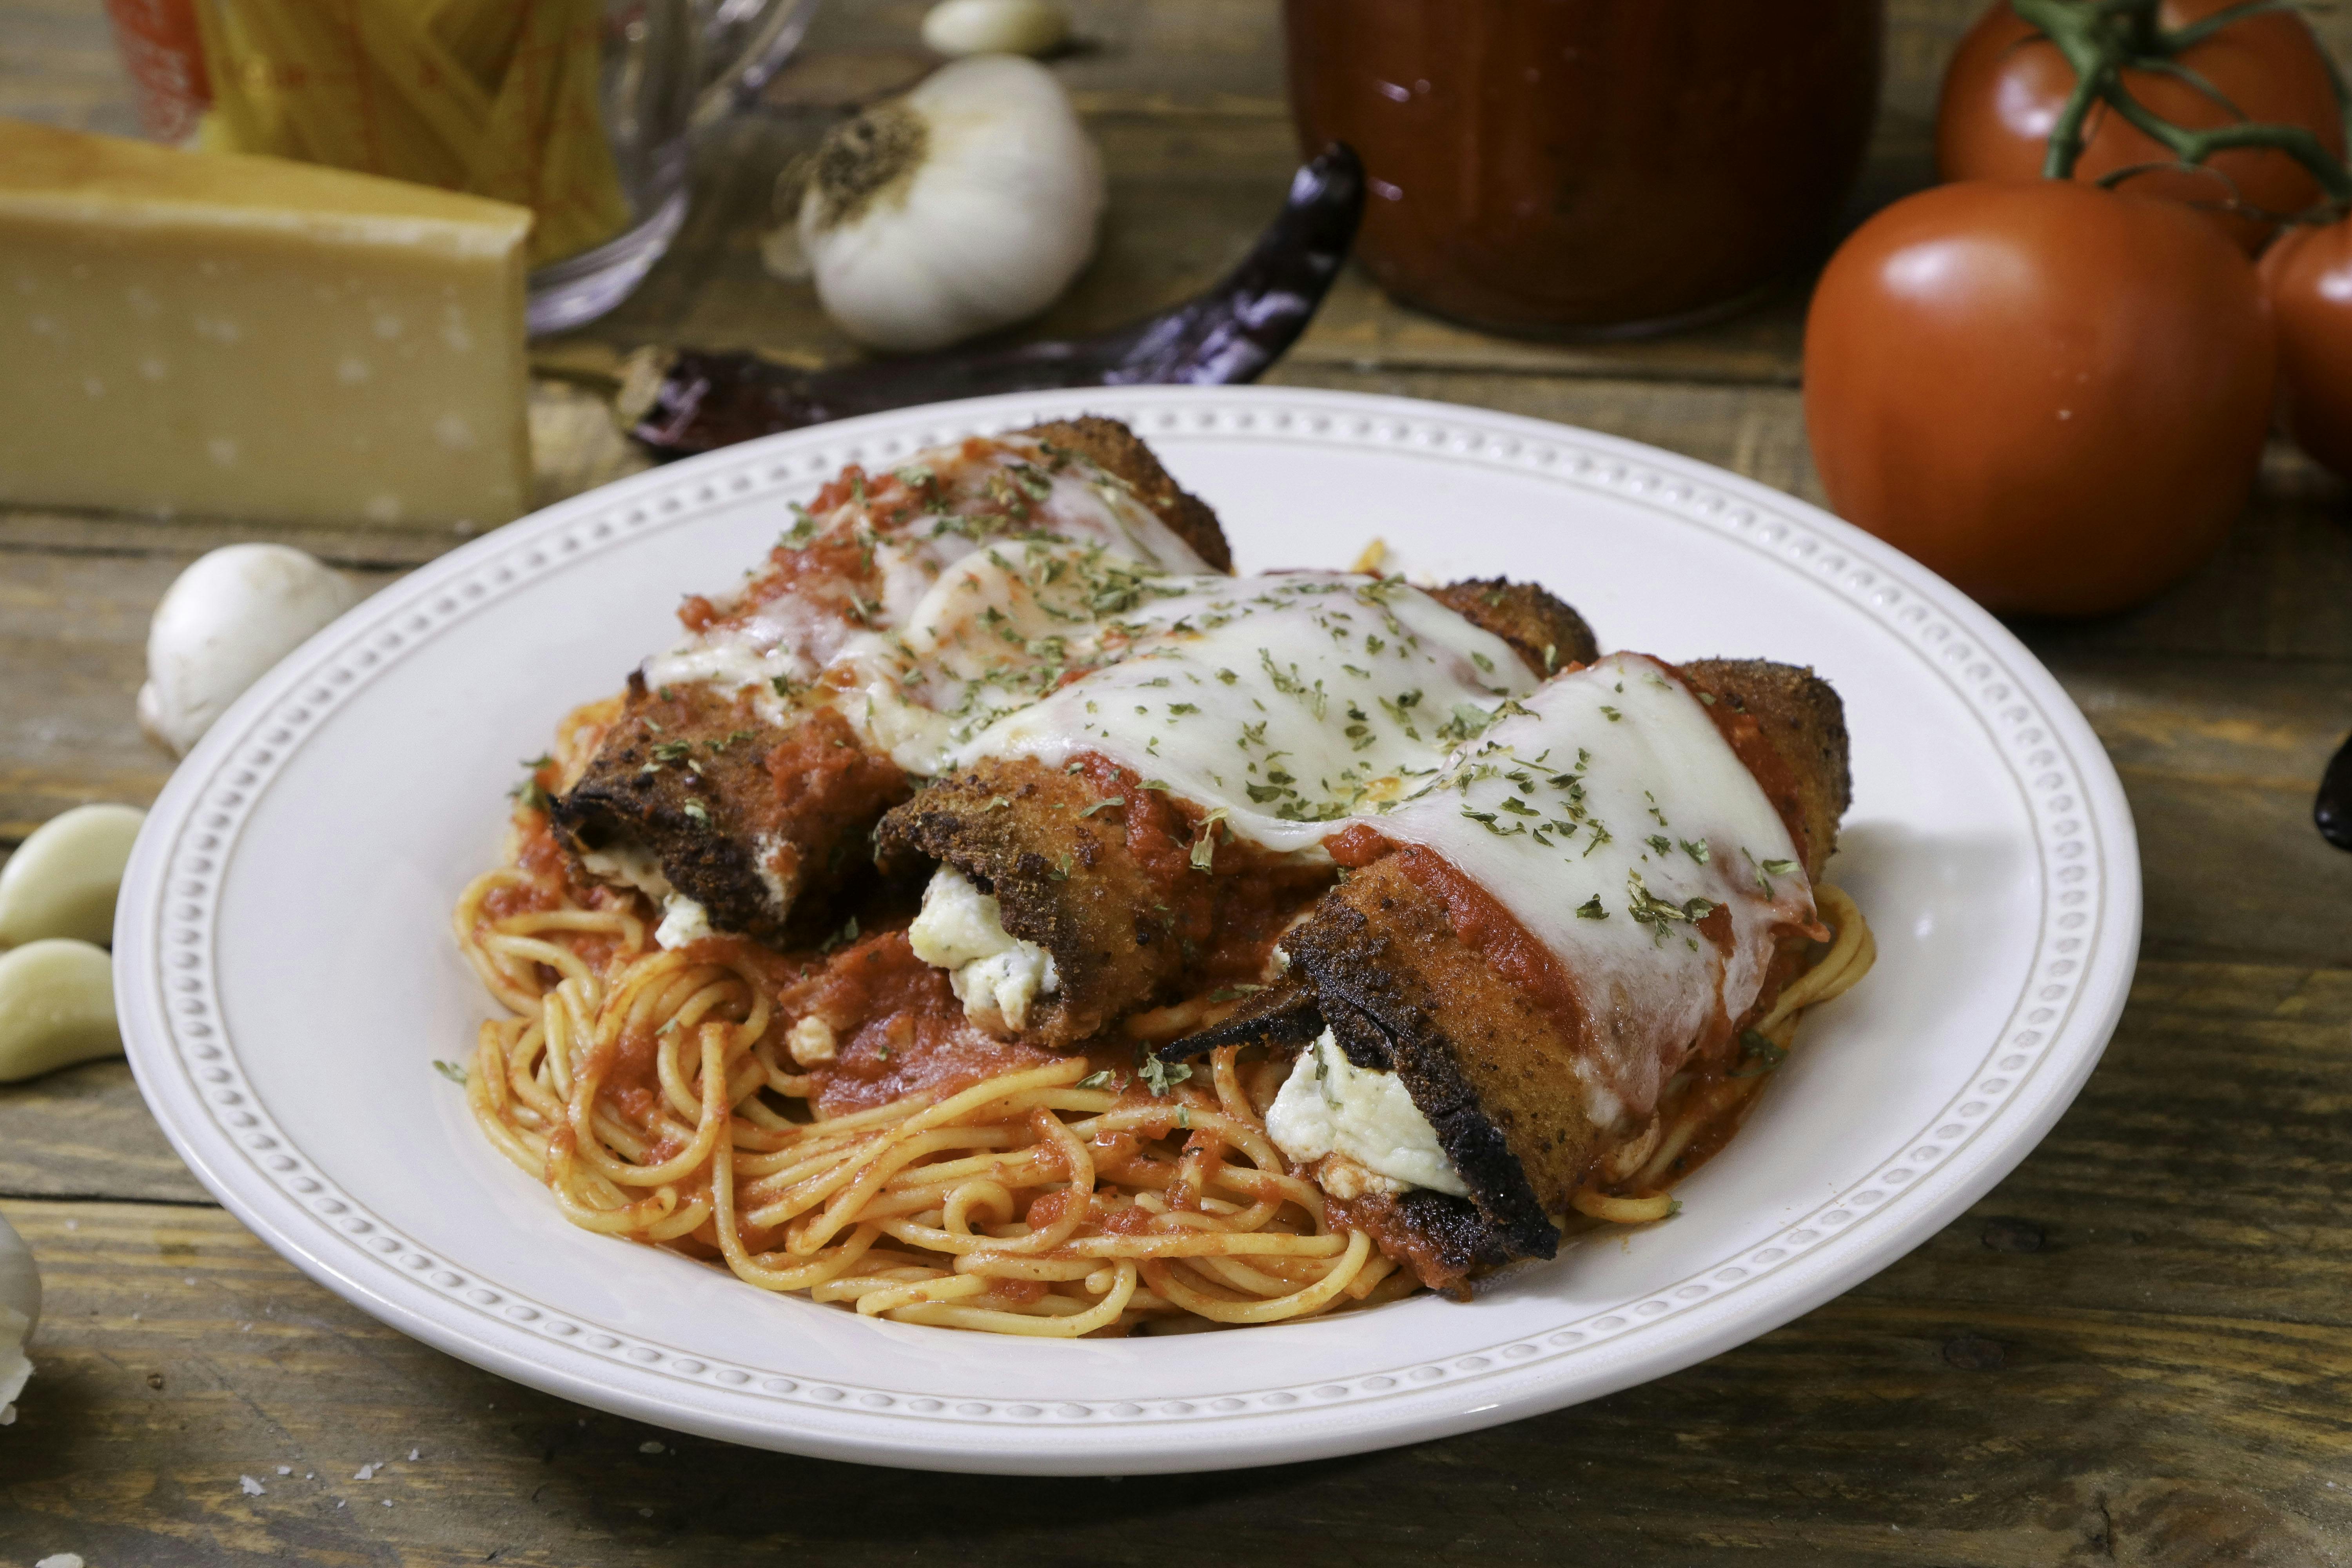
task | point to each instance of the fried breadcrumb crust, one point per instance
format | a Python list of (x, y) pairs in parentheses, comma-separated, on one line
[(1544, 630), (1117, 450), (1064, 877), (769, 831), (1801, 715)]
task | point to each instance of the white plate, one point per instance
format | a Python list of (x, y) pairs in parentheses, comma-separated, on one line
[(287, 975)]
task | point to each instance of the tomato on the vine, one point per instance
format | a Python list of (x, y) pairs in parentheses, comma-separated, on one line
[(2006, 85), (2308, 276), (2053, 394)]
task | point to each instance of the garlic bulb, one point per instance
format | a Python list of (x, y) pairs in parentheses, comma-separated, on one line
[(20, 1314), (62, 880), (995, 27), (229, 618), (967, 204)]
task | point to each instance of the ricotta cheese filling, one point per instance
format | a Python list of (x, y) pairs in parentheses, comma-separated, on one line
[(629, 863), (1330, 1106), (996, 975), (683, 921)]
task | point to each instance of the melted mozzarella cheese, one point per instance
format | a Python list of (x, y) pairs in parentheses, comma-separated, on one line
[(629, 863), (800, 639), (1283, 702), (1608, 814), (1279, 703), (1330, 1106), (996, 975)]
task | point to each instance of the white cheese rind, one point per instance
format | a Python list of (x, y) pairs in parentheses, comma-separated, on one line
[(1595, 813), (1330, 1106), (997, 975)]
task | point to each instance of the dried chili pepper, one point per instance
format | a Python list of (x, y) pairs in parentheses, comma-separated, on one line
[(1230, 333)]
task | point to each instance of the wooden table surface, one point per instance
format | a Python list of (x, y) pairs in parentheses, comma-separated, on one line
[(2138, 1349)]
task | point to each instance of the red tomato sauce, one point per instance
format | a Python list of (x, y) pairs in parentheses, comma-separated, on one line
[(898, 1028), (1483, 925), (1230, 916), (826, 784)]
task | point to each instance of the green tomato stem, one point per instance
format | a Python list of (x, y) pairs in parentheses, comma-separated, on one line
[(2172, 41), (2101, 39)]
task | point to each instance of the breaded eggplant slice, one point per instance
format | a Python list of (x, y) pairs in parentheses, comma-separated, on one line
[(1119, 452), (1545, 631), (1801, 715), (762, 827), (1067, 875), (768, 832), (1108, 890), (1378, 961)]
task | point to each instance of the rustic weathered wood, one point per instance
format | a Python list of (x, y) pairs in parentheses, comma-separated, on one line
[(84, 1133), (73, 639), (2128, 1354), (2136, 1350)]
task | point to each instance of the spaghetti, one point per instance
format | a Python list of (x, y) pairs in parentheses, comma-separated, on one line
[(653, 1092)]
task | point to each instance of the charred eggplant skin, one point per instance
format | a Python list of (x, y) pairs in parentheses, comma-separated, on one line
[(1230, 333)]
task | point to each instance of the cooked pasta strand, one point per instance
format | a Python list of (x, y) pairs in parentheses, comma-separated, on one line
[(646, 1088)]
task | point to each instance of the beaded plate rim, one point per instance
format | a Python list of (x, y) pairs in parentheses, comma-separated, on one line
[(2065, 1009)]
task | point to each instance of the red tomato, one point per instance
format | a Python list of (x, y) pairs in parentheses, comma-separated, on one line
[(2005, 85), (2053, 394), (2308, 276)]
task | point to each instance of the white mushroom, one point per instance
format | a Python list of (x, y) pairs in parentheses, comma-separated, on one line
[(995, 27), (229, 618), (62, 880), (20, 1313), (57, 1008)]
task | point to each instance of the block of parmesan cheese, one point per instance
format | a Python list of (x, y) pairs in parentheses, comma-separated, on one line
[(196, 332)]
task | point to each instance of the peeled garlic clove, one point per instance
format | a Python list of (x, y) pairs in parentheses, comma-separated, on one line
[(995, 27), (968, 204), (20, 1314), (62, 880), (57, 1008), (229, 618)]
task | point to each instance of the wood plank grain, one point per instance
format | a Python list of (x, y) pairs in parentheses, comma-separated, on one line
[(2220, 758), (2200, 1171), (73, 638), (84, 1132), (178, 1356)]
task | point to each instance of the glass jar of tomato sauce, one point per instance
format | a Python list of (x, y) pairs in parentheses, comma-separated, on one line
[(1590, 168)]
